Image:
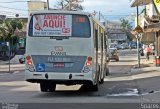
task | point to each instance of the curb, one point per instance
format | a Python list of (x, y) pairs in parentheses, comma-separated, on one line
[(12, 66), (12, 69), (142, 70)]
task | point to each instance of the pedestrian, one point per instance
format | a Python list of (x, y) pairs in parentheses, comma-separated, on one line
[(130, 47), (148, 52), (153, 50)]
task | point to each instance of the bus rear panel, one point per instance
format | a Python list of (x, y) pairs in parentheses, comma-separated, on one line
[(59, 45)]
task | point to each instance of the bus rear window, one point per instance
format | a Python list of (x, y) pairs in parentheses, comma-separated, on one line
[(57, 25)]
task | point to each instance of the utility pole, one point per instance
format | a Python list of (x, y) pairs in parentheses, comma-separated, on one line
[(48, 4), (69, 4), (138, 37), (9, 51), (99, 15), (156, 53), (62, 2)]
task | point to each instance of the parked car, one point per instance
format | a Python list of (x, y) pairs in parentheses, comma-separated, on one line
[(113, 46), (122, 46), (22, 59), (125, 45), (119, 46), (113, 55), (134, 46)]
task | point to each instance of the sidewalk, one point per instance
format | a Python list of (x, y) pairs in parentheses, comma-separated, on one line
[(13, 67), (145, 66)]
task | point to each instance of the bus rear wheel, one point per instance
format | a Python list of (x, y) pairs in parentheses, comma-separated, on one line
[(47, 87), (102, 81), (91, 87), (107, 71), (95, 87)]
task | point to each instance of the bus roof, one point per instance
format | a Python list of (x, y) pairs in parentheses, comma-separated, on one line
[(66, 12), (60, 11), (95, 20)]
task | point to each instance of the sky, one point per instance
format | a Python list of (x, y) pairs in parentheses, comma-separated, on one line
[(110, 9)]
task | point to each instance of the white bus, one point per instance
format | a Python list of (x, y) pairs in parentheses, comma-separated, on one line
[(65, 47)]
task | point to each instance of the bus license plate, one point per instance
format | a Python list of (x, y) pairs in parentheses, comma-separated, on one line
[(61, 65)]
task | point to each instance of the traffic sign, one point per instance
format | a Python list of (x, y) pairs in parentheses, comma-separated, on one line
[(138, 29), (3, 43), (157, 5)]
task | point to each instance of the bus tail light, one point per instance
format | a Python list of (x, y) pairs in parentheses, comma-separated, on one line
[(88, 65), (28, 57), (89, 61), (30, 64)]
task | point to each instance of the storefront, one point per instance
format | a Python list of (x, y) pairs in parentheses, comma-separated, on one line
[(151, 27)]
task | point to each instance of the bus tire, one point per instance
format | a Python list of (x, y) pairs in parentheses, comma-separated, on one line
[(43, 87), (91, 87), (107, 71), (47, 87), (102, 81), (52, 87), (95, 87)]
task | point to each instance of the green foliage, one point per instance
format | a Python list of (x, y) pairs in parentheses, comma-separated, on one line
[(8, 28), (125, 24), (64, 4), (127, 27)]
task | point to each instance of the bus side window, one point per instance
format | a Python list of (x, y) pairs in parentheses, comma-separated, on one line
[(105, 42), (99, 39), (96, 39), (102, 42)]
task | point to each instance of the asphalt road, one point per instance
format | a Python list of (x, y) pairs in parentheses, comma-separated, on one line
[(121, 86)]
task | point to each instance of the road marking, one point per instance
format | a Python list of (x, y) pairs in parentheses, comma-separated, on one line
[(15, 72), (129, 92), (3, 74), (154, 92), (133, 77)]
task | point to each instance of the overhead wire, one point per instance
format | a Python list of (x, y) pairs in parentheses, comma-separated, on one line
[(10, 12), (13, 8), (13, 1)]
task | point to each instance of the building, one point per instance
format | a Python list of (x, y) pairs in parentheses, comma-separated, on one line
[(33, 5), (149, 20), (114, 32), (36, 5), (22, 33)]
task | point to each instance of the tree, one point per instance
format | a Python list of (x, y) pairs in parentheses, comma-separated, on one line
[(125, 24), (8, 28), (127, 27), (69, 5)]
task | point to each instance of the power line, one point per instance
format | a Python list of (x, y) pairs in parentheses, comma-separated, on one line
[(13, 1), (12, 14), (9, 12), (117, 15), (13, 8)]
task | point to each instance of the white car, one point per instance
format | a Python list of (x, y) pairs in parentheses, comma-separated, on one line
[(113, 47)]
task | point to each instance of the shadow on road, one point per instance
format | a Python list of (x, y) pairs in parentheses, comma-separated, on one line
[(127, 60), (105, 89)]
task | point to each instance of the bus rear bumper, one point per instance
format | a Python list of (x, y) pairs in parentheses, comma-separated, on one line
[(66, 82), (60, 78)]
